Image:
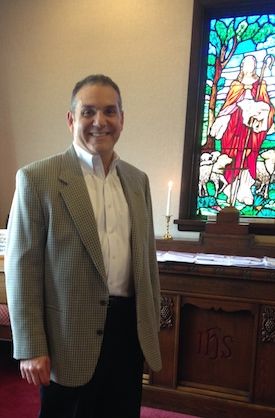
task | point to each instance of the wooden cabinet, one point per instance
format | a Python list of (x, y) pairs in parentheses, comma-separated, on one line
[(217, 341)]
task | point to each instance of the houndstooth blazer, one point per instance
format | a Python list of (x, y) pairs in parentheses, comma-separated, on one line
[(56, 283)]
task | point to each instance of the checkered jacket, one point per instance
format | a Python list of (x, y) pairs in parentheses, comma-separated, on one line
[(54, 267)]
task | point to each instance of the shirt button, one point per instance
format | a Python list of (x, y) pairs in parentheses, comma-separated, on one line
[(99, 332)]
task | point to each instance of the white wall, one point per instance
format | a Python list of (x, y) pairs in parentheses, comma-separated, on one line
[(48, 45)]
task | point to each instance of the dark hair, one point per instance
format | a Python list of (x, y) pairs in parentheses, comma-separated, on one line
[(94, 79)]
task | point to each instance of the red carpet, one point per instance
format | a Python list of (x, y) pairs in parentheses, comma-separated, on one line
[(157, 413), (18, 399)]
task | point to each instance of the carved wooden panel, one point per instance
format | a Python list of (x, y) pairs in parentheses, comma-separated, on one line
[(217, 345), (169, 334), (268, 324), (265, 365), (167, 312)]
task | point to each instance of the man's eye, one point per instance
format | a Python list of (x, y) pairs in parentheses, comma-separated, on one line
[(87, 113), (110, 111)]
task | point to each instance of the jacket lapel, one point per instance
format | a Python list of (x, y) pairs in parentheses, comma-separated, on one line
[(76, 197), (132, 195)]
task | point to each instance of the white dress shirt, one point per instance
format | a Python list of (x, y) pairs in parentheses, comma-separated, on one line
[(113, 220)]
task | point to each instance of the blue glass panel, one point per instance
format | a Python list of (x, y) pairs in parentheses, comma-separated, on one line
[(263, 19), (252, 19)]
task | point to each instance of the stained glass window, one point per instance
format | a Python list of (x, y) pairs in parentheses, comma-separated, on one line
[(237, 143)]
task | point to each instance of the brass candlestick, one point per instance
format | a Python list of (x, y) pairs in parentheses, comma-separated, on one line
[(167, 234)]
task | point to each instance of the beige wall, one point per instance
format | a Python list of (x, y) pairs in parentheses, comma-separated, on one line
[(47, 45)]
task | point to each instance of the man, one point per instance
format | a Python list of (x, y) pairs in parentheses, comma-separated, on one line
[(81, 271)]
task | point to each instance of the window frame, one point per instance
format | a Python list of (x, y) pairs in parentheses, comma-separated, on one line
[(203, 11)]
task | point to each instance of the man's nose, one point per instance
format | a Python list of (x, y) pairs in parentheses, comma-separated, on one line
[(99, 118)]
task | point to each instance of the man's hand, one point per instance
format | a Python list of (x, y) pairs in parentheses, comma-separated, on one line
[(36, 370)]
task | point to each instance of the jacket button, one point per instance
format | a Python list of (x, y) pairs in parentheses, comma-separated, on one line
[(99, 332), (103, 302)]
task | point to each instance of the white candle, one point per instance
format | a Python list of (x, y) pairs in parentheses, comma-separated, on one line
[(170, 185)]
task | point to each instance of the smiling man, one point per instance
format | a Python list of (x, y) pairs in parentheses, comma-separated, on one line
[(96, 119), (81, 270)]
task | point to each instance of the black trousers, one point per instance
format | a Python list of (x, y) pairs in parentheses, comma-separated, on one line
[(115, 388)]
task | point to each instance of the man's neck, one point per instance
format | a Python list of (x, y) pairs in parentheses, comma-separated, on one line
[(107, 161)]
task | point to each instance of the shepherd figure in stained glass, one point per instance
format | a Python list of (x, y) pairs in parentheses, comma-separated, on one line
[(242, 124)]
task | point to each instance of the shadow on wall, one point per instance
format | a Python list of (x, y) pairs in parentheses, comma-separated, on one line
[(8, 164)]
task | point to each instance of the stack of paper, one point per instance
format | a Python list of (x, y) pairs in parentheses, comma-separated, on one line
[(269, 262), (216, 259), (247, 261), (3, 241), (176, 256)]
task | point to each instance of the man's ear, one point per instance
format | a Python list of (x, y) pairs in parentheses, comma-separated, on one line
[(70, 121)]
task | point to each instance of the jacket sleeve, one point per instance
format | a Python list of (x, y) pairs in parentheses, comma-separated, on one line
[(24, 270)]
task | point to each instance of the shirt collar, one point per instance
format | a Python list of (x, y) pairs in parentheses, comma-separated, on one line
[(93, 162)]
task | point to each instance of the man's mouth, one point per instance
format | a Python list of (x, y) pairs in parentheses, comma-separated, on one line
[(99, 134)]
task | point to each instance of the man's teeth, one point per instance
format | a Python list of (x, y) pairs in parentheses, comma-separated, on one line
[(98, 134)]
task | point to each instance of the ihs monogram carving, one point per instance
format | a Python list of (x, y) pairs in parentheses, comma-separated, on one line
[(166, 312), (268, 324)]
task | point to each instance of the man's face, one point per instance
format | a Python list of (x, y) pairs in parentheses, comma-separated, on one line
[(248, 65), (97, 121)]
